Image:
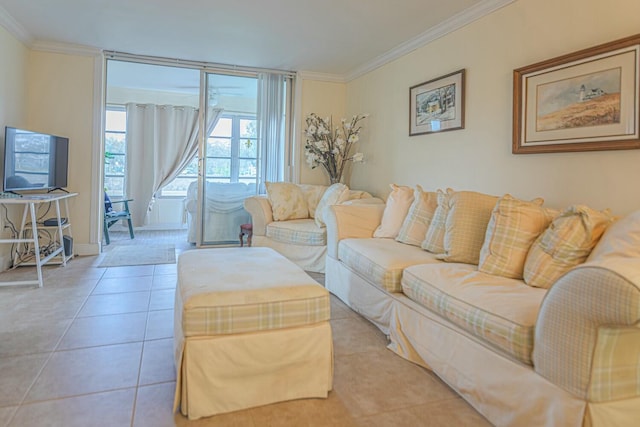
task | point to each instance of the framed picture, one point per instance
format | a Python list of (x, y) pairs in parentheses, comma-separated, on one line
[(437, 105), (584, 101)]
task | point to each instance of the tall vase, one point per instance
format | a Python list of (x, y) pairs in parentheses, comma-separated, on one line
[(335, 179)]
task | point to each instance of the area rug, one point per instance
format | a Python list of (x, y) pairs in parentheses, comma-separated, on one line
[(139, 255)]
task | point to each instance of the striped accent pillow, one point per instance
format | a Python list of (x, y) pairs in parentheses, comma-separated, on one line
[(434, 239), (415, 225), (567, 242), (514, 226), (466, 226)]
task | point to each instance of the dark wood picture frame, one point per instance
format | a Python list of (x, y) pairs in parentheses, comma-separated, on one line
[(558, 105), (437, 105)]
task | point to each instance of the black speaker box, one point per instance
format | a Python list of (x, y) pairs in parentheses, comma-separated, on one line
[(68, 245)]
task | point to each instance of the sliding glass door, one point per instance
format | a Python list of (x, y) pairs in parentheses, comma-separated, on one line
[(229, 156)]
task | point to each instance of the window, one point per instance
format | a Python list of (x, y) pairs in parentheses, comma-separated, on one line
[(115, 147), (231, 155)]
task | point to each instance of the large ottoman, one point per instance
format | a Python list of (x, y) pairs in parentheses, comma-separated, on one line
[(251, 328)]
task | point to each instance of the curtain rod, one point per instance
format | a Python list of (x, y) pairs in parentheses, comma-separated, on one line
[(208, 66)]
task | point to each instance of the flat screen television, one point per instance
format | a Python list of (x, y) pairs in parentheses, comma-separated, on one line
[(34, 161)]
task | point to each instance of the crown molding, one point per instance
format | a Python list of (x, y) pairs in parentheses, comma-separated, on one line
[(323, 77), (65, 48), (450, 25), (14, 28)]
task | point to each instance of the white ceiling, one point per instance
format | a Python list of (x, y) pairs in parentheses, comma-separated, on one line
[(336, 37)]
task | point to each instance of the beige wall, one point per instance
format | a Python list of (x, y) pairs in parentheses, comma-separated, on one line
[(479, 157), (325, 99), (13, 111), (60, 99)]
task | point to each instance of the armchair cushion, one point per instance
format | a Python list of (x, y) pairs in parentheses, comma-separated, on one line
[(297, 232), (287, 201), (313, 193)]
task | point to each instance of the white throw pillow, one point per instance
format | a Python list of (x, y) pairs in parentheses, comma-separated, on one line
[(621, 240), (334, 195), (398, 204)]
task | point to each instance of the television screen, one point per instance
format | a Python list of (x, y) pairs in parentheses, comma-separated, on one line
[(34, 161)]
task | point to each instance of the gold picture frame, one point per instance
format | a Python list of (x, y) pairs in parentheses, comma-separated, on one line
[(437, 105), (583, 101)]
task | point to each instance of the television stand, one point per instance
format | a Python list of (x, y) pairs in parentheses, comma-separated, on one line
[(57, 188), (30, 236)]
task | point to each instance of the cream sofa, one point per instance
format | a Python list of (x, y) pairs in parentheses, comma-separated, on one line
[(301, 240), (521, 355)]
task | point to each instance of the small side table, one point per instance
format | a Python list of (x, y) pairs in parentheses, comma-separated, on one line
[(246, 230)]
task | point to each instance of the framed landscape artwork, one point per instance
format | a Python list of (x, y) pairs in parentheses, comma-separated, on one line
[(437, 105), (584, 101)]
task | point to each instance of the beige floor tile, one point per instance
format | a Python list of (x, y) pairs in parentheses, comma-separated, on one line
[(44, 306), (31, 336), (96, 410), (161, 269), (304, 412), (162, 299), (339, 310), (355, 335), (380, 381), (164, 281), (157, 362), (154, 409), (89, 370), (450, 412), (104, 330), (159, 325), (123, 284), (6, 414), (128, 271), (18, 373), (128, 302)]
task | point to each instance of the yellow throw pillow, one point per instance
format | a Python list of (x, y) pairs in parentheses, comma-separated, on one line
[(434, 239), (287, 201), (395, 210), (334, 195), (313, 194), (419, 217), (567, 242), (466, 226), (514, 226)]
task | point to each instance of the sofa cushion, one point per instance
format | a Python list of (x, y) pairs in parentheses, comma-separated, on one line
[(621, 240), (381, 261), (416, 223), (498, 310), (334, 195), (298, 232), (466, 226), (287, 201), (567, 242), (395, 210), (514, 226), (312, 193), (434, 239)]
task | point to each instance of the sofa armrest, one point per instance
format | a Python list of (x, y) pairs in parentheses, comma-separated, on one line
[(587, 337), (259, 208), (358, 220)]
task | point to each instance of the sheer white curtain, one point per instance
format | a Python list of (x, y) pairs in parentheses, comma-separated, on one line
[(161, 140), (271, 128)]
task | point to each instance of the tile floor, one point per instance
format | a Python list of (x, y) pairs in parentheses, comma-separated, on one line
[(93, 347)]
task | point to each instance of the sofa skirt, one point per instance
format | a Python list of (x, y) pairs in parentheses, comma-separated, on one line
[(226, 373), (373, 303), (309, 258), (507, 392)]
